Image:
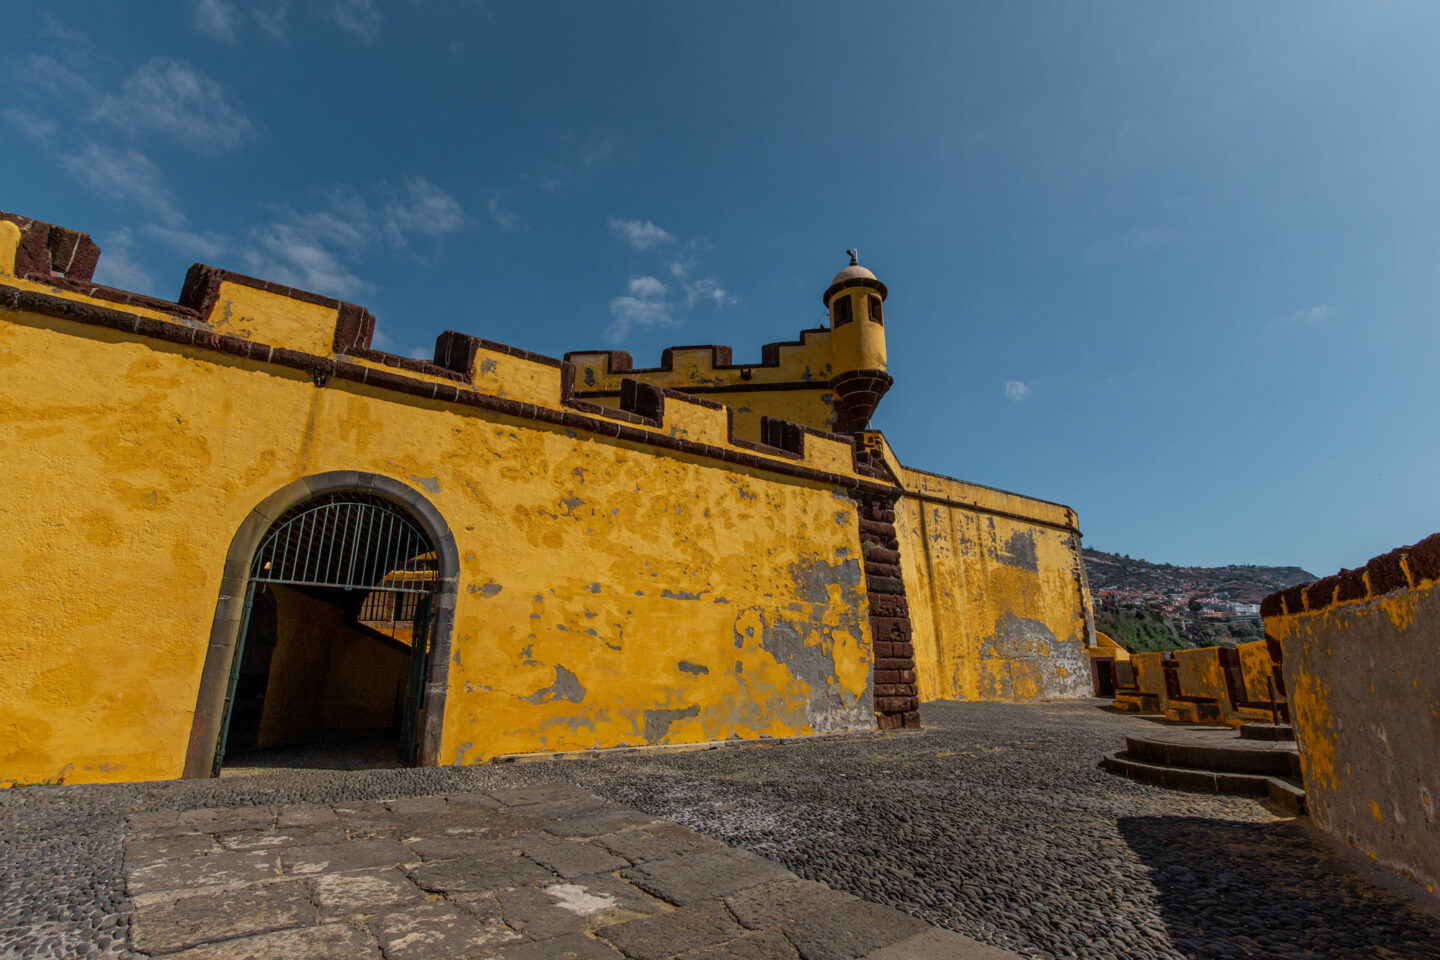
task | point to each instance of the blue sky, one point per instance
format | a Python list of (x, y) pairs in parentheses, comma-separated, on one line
[(1172, 264)]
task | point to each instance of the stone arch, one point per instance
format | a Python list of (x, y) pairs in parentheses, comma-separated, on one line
[(224, 631)]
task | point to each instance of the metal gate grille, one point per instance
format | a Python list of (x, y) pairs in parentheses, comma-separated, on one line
[(350, 543), (355, 541)]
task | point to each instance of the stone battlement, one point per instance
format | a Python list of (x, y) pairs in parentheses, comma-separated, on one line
[(47, 270)]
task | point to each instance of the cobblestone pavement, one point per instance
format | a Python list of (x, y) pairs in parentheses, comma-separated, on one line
[(995, 821)]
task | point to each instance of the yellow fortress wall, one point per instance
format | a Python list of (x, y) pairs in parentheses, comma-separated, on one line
[(996, 586), (1362, 670), (619, 559), (613, 591)]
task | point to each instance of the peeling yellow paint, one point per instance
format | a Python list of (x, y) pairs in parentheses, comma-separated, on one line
[(147, 457)]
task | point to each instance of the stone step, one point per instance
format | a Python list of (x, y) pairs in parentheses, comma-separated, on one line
[(1225, 753), (1285, 792), (1267, 731)]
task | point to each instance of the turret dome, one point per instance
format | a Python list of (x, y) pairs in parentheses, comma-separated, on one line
[(853, 276)]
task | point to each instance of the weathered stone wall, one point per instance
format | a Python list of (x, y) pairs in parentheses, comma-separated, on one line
[(625, 576), (997, 594), (1362, 668)]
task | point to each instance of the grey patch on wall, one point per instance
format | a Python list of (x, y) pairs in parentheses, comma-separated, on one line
[(792, 642), (428, 484), (679, 595), (812, 578), (461, 750), (570, 503), (657, 722), (589, 377), (695, 668), (593, 588), (1020, 552), (1019, 638), (487, 365), (566, 687), (485, 589), (1064, 665)]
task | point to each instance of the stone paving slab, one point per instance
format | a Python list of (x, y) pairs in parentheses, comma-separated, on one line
[(549, 872)]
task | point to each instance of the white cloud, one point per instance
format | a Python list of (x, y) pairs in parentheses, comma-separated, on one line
[(360, 17), (708, 290), (1017, 390), (177, 100), (648, 303), (51, 78), (422, 353), (206, 246), (585, 157), (118, 269), (640, 234), (272, 20), (217, 19), (644, 306), (289, 254), (1309, 315), (427, 210), (314, 249), (125, 173), (505, 218), (36, 127)]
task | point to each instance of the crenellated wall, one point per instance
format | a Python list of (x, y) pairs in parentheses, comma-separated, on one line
[(790, 382), (626, 576), (1362, 667), (661, 556)]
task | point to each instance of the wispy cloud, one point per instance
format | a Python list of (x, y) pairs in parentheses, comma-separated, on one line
[(206, 246), (1017, 390), (645, 305), (272, 19), (117, 267), (650, 303), (317, 249), (217, 19), (640, 234), (1309, 315), (581, 159), (424, 210), (32, 125), (708, 289), (505, 218), (358, 17), (128, 174), (175, 99)]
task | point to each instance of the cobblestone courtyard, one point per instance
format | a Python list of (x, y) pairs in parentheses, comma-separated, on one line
[(995, 822)]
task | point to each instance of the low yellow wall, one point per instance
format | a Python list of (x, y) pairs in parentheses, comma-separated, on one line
[(612, 592), (996, 591), (1362, 666)]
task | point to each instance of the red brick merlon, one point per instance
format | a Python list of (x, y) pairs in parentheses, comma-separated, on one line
[(1400, 569), (897, 703)]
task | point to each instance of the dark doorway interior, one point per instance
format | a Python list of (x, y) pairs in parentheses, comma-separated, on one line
[(315, 672), (1104, 669)]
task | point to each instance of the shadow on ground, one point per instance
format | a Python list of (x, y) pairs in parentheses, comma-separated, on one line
[(1226, 888), (368, 753)]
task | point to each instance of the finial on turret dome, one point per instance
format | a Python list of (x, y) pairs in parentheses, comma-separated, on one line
[(854, 257)]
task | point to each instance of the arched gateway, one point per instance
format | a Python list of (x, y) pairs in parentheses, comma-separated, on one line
[(333, 623)]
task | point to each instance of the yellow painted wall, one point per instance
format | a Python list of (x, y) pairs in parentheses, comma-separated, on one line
[(1106, 647), (801, 378), (612, 593), (996, 592), (1363, 676)]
